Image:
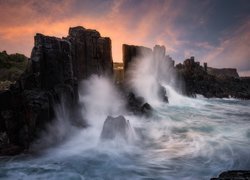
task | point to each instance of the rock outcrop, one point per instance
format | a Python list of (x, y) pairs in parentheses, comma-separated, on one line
[(116, 127), (199, 81), (233, 175), (138, 106), (55, 68), (91, 53)]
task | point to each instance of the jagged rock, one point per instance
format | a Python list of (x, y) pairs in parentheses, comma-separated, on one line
[(54, 70), (138, 106), (233, 175), (146, 109), (116, 127)]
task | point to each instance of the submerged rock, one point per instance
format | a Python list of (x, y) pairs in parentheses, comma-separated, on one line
[(116, 127)]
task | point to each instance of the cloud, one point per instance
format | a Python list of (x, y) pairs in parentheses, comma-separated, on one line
[(122, 21), (233, 51)]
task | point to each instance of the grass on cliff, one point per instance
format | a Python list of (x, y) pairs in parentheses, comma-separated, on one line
[(11, 67)]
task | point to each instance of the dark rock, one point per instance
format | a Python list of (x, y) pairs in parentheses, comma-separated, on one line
[(91, 53), (11, 150), (117, 127), (138, 106), (146, 109), (233, 175), (163, 94), (130, 52), (223, 84), (54, 70)]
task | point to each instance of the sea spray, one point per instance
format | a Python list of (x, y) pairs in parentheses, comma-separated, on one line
[(148, 71), (60, 129), (100, 99)]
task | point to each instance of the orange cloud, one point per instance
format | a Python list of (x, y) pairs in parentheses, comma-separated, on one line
[(17, 35)]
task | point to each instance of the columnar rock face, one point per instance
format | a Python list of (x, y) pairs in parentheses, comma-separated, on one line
[(51, 62), (55, 68), (130, 52), (91, 53)]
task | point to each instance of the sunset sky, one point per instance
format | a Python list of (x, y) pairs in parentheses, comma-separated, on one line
[(214, 31)]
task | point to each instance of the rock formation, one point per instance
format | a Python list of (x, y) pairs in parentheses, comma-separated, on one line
[(130, 52), (91, 53), (56, 67), (117, 127), (233, 175), (211, 82), (137, 105)]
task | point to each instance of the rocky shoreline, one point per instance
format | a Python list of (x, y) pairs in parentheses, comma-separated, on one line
[(58, 65)]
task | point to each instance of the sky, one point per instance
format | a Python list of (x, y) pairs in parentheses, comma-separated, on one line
[(214, 31)]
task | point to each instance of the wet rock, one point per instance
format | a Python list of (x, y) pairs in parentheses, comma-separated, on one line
[(138, 106), (116, 127), (146, 109), (233, 175), (163, 94), (130, 52)]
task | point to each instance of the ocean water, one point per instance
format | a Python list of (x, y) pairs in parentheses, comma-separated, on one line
[(185, 139)]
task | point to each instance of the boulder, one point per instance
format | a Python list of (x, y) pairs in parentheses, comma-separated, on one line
[(116, 127)]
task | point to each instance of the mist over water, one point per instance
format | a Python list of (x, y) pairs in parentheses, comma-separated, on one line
[(185, 139), (148, 72)]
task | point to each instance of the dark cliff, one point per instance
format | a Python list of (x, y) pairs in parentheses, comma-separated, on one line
[(54, 71)]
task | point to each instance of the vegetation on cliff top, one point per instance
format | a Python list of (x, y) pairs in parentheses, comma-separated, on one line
[(11, 67)]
